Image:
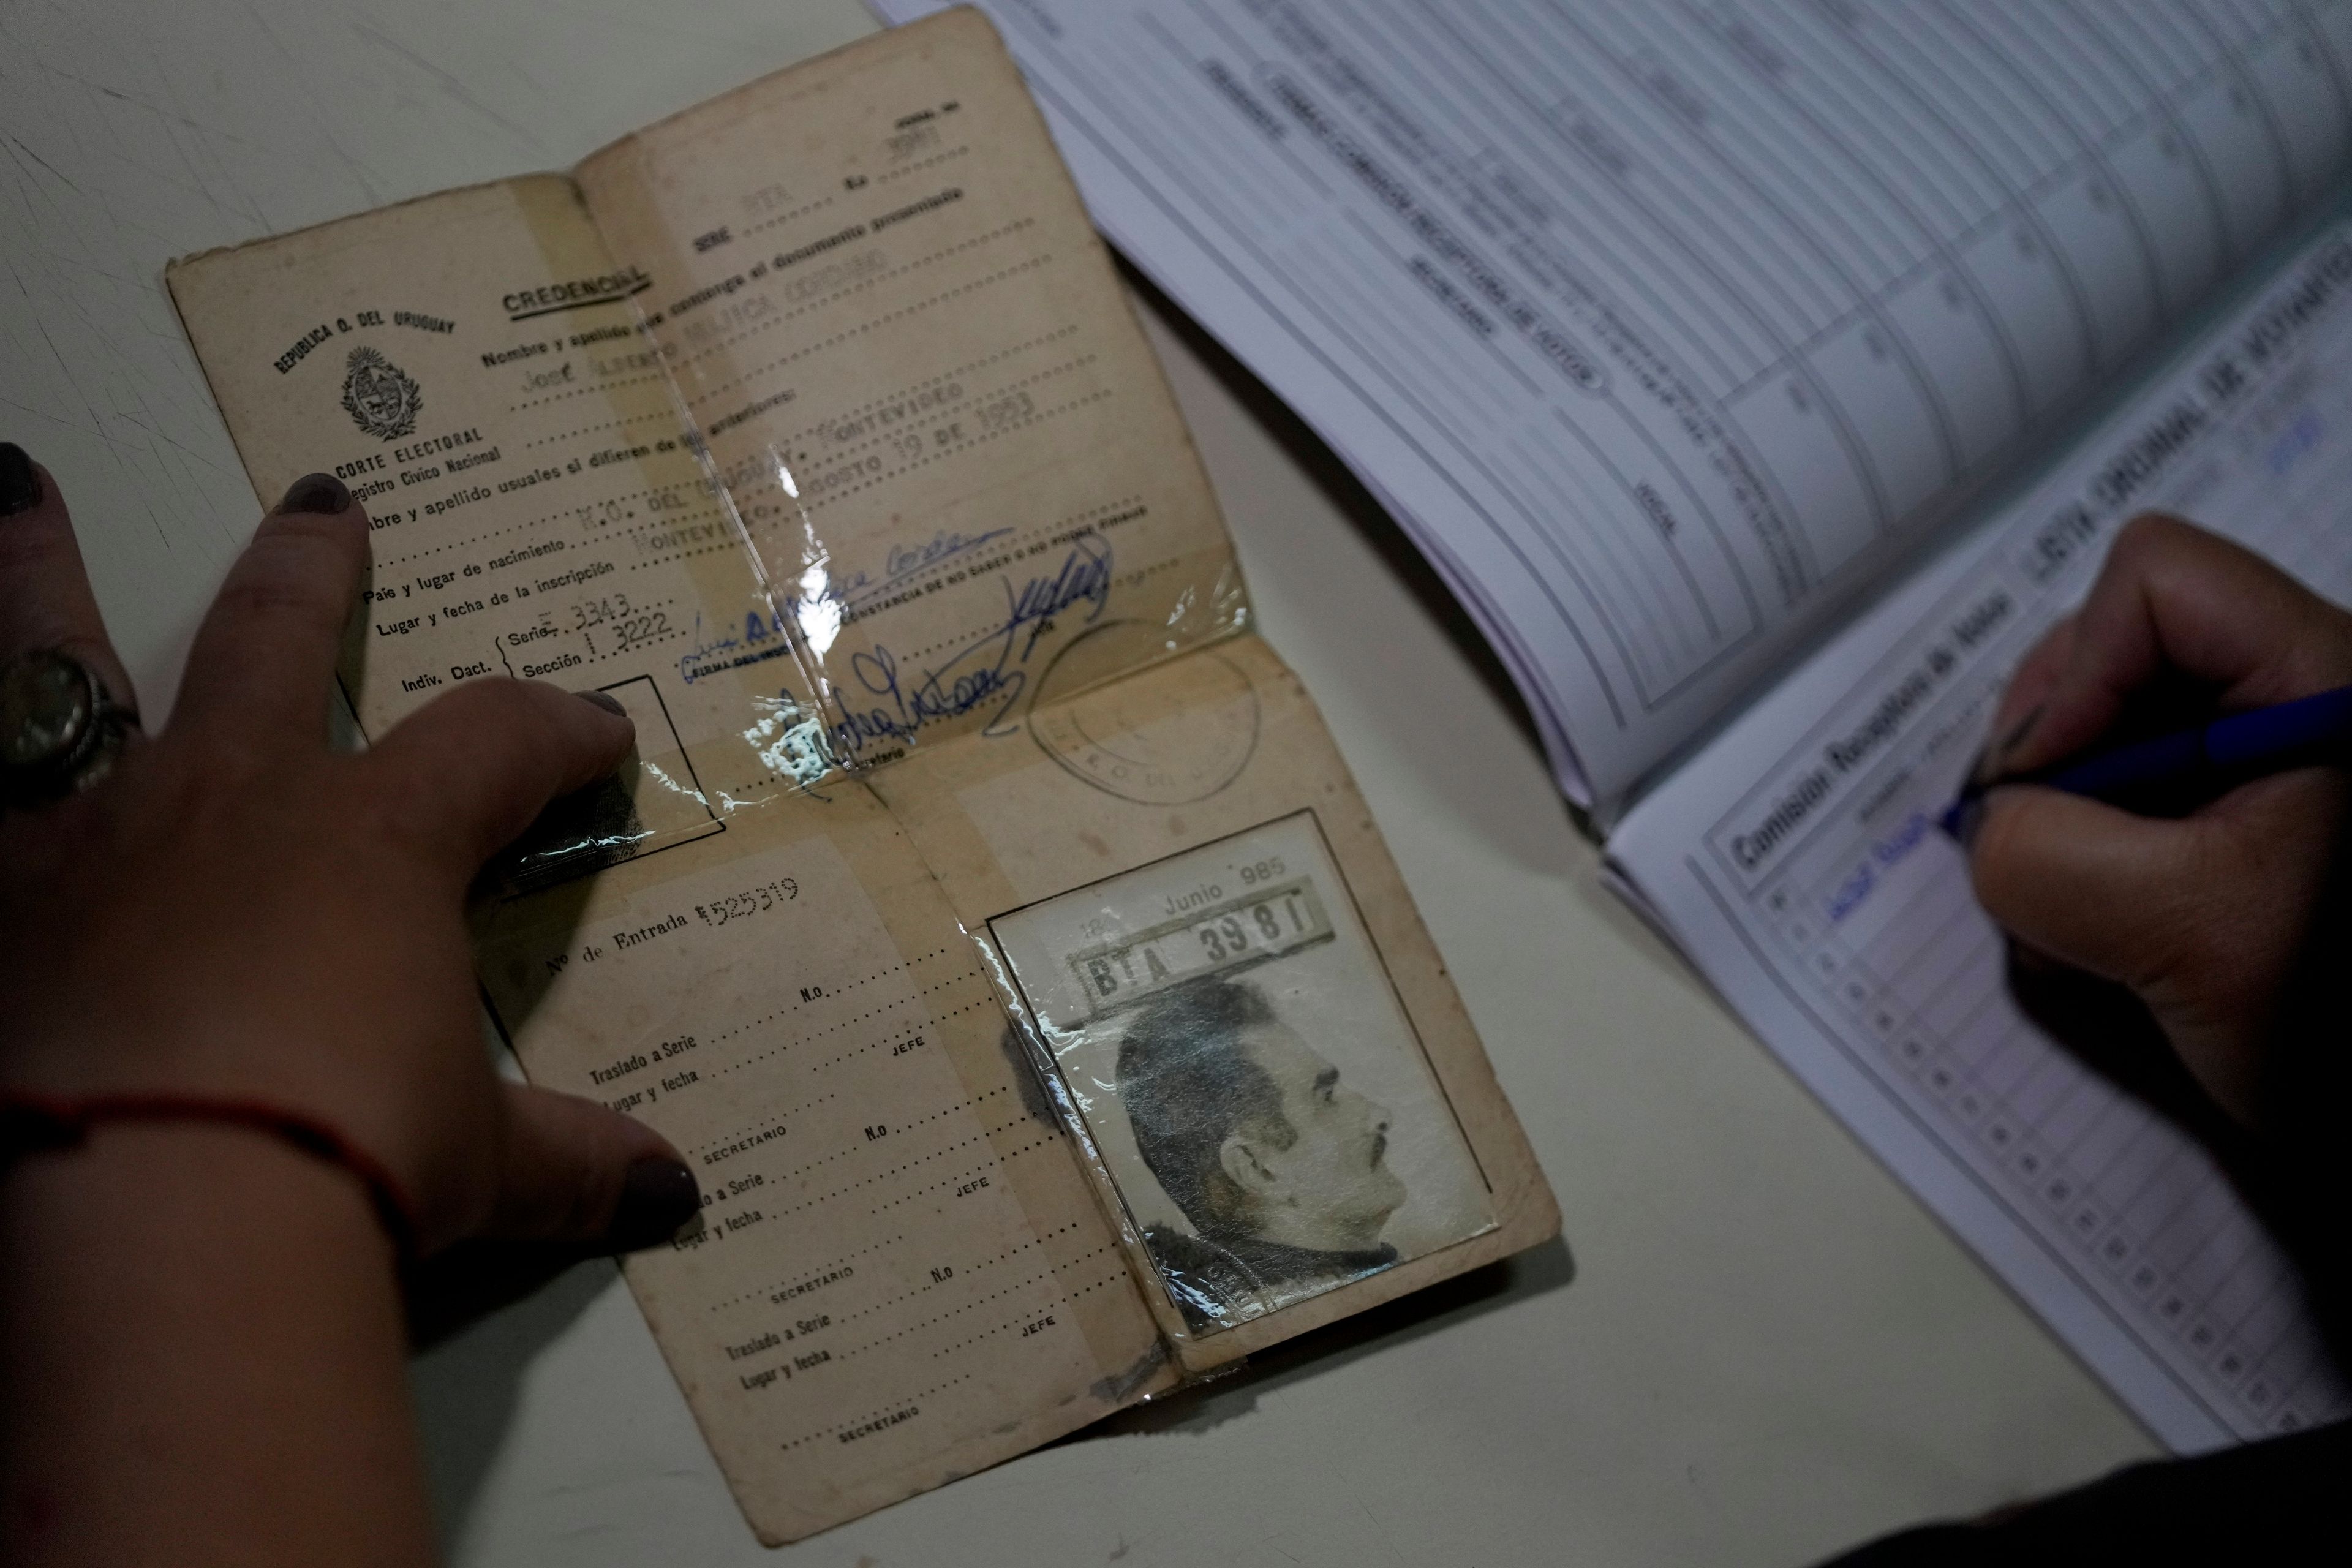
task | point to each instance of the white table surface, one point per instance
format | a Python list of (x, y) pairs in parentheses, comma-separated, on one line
[(1754, 1348)]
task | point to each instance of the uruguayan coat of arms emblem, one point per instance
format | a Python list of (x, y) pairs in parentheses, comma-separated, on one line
[(381, 397)]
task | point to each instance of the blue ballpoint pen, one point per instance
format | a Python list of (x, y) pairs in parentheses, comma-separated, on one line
[(2174, 773)]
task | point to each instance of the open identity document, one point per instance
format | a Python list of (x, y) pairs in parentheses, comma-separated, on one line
[(1679, 335), (984, 912)]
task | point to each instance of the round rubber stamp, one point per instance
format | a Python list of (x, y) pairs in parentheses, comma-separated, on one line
[(1135, 739)]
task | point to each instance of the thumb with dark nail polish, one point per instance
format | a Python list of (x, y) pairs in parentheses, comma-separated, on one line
[(658, 1195), (321, 494)]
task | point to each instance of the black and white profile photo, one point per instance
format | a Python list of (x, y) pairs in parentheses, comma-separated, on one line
[(1279, 1163), (1251, 1084)]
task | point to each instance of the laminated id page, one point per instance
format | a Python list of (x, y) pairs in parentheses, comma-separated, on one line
[(984, 911), (1226, 991)]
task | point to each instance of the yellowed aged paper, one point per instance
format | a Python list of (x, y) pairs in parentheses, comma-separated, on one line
[(925, 392), (819, 434), (470, 364), (901, 1274), (1187, 842)]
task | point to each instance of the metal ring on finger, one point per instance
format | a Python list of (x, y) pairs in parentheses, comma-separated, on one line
[(60, 729)]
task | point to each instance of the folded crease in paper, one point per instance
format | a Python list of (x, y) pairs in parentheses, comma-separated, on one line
[(984, 910)]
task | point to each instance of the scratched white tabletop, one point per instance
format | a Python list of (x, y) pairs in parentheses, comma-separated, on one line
[(1754, 1349)]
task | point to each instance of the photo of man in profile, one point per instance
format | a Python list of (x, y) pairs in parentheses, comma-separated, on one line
[(1280, 1168)]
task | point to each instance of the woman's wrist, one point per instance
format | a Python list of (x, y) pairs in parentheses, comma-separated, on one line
[(223, 1306), (35, 1122)]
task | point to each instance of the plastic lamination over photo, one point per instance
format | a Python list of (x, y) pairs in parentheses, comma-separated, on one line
[(1223, 1025)]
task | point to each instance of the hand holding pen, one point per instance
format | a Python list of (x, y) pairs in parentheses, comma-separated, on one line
[(2218, 919)]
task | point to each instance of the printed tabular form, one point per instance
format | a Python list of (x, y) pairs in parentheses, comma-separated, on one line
[(1666, 328), (897, 1256), (1810, 880)]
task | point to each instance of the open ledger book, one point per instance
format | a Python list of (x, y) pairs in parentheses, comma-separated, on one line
[(985, 912), (1734, 360)]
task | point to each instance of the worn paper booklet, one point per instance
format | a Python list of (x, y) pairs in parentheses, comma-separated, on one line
[(985, 911), (1679, 336)]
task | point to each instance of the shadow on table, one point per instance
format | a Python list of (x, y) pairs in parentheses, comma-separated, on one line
[(1208, 1405), (468, 1380), (2297, 1179)]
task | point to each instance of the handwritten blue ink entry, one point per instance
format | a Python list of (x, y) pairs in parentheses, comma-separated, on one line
[(884, 702)]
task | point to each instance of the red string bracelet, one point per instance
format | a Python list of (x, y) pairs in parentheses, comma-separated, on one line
[(33, 1123)]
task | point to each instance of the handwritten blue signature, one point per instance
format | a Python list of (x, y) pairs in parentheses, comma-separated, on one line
[(855, 590), (895, 704), (883, 701), (905, 561), (1885, 856), (761, 636)]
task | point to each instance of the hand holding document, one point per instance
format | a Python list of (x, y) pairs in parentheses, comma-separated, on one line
[(812, 427)]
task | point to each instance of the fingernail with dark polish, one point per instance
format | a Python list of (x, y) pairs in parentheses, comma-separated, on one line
[(20, 486), (658, 1195), (605, 700), (320, 493)]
